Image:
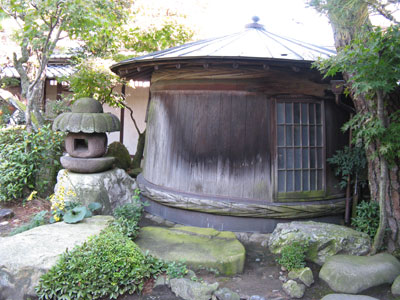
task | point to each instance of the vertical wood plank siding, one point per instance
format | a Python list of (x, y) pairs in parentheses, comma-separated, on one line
[(210, 143)]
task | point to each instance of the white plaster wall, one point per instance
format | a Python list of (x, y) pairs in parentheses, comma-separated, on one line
[(136, 98)]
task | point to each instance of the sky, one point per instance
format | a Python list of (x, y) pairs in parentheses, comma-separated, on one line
[(210, 18), (289, 18)]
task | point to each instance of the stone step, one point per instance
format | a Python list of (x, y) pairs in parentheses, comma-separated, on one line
[(197, 247)]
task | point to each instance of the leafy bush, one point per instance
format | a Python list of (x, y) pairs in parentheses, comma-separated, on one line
[(55, 108), (107, 265), (293, 256), (350, 161), (127, 216), (367, 218), (38, 220), (23, 155)]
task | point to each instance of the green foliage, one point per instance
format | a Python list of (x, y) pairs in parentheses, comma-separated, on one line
[(38, 220), (107, 265), (367, 218), (94, 79), (9, 81), (127, 216), (350, 161), (18, 167), (151, 39), (372, 59), (293, 256), (176, 269), (121, 154), (96, 23), (368, 128), (55, 108), (5, 114), (76, 214), (72, 211)]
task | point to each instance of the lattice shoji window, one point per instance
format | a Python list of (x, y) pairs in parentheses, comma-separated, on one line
[(300, 143)]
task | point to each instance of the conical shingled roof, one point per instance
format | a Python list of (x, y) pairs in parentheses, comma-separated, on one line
[(255, 42)]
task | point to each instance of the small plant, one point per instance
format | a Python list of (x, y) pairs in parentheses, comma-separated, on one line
[(176, 269), (106, 266), (367, 218), (293, 256), (38, 220), (127, 216), (73, 212)]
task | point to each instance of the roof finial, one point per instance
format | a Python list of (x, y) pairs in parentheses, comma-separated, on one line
[(255, 23)]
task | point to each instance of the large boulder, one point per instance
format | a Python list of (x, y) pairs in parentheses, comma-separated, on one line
[(324, 240), (190, 290), (197, 247), (354, 274), (111, 188), (26, 256)]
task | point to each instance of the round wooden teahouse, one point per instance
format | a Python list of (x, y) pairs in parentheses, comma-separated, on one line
[(238, 132)]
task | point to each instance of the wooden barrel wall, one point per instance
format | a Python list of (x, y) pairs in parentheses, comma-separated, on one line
[(211, 143)]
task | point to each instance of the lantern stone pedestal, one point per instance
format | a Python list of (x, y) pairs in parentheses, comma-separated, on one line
[(111, 188)]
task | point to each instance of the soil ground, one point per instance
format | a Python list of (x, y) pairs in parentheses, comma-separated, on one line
[(260, 276)]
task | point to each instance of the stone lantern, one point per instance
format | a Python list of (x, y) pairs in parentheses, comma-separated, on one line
[(86, 142)]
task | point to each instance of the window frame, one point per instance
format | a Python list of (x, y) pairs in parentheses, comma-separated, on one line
[(296, 196)]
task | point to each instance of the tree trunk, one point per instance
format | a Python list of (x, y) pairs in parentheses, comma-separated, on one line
[(137, 158), (378, 171)]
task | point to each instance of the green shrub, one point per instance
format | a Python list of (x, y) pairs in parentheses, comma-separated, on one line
[(38, 220), (107, 265), (127, 216), (121, 154), (367, 218), (293, 256), (23, 155)]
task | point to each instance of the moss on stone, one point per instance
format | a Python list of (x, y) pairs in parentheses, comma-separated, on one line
[(199, 247), (121, 154)]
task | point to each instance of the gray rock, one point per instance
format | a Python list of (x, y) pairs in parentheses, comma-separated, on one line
[(190, 290), (26, 256), (324, 240), (294, 289), (161, 281), (111, 188), (354, 274), (347, 297), (256, 297), (226, 294), (261, 239), (396, 286), (6, 213), (305, 275)]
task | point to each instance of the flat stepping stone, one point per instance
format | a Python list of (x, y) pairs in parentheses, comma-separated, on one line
[(198, 247), (347, 297), (26, 256), (354, 274)]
